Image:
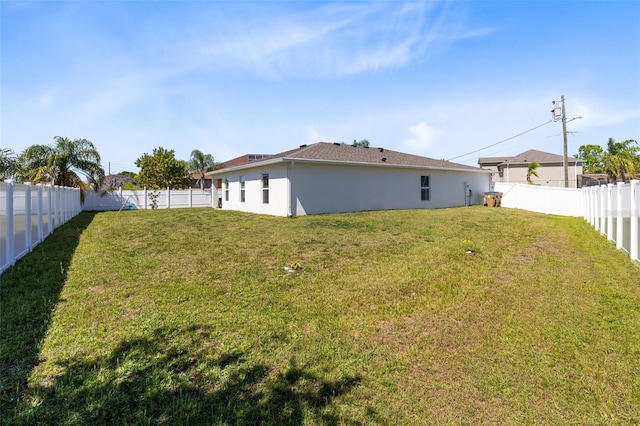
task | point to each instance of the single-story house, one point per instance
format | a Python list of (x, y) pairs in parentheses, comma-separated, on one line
[(335, 177), (551, 170), (194, 181), (244, 159)]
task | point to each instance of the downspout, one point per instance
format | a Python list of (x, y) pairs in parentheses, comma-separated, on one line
[(289, 195)]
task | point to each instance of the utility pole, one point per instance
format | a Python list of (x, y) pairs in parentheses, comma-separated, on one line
[(557, 116), (564, 139), (562, 116)]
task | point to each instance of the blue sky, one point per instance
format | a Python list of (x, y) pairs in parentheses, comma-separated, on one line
[(439, 79)]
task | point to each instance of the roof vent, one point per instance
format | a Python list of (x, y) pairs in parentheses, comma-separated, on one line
[(303, 145), (384, 159), (381, 149), (336, 143)]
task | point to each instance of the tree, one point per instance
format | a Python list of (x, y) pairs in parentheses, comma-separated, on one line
[(162, 170), (532, 170), (622, 160), (8, 163), (200, 163), (132, 175), (62, 164), (363, 143), (592, 157)]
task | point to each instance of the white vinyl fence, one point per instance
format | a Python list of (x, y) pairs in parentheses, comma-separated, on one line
[(613, 211), (147, 199), (542, 199), (30, 213)]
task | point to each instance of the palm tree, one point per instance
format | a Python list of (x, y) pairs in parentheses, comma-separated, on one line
[(622, 160), (8, 163), (200, 163), (532, 170), (61, 162)]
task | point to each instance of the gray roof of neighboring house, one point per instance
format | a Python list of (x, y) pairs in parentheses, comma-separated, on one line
[(528, 157), (327, 152)]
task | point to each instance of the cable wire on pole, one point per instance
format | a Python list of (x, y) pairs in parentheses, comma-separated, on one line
[(502, 141)]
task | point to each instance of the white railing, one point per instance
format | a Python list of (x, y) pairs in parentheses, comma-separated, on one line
[(30, 213), (144, 199), (613, 211)]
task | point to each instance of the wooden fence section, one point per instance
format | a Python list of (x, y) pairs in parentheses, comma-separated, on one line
[(613, 211), (30, 213), (147, 199)]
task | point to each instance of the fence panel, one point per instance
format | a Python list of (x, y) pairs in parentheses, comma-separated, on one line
[(28, 214), (542, 199), (147, 199), (4, 241), (613, 210)]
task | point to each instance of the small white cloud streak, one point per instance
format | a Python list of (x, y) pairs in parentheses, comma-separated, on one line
[(335, 40)]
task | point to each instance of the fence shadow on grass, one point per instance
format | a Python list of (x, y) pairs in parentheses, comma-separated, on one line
[(175, 376), (29, 291)]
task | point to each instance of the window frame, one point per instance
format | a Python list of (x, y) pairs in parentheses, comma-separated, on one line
[(425, 188), (242, 179), (265, 188), (226, 189)]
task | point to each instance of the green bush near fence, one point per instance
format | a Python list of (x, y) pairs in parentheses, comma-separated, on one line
[(468, 315)]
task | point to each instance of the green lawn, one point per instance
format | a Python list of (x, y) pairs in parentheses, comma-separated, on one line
[(188, 317)]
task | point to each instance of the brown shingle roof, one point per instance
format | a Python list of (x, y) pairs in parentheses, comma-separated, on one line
[(343, 153), (528, 157)]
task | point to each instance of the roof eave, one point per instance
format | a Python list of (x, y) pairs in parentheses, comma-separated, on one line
[(341, 163)]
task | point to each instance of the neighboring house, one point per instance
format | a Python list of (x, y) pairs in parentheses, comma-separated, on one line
[(551, 170), (592, 179), (244, 159), (335, 177), (194, 181), (117, 181)]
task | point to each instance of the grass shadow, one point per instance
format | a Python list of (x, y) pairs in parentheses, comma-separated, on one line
[(29, 292), (159, 378)]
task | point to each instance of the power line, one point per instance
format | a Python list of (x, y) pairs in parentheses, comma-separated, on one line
[(502, 141)]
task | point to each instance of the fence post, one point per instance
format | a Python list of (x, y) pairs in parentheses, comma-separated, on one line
[(27, 215), (609, 212), (594, 206), (168, 198), (587, 191), (619, 219), (587, 203), (603, 216), (11, 259), (50, 210), (633, 251), (40, 209), (190, 198), (596, 210)]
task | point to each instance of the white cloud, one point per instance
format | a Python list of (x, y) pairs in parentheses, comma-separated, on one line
[(597, 113), (421, 136), (333, 40)]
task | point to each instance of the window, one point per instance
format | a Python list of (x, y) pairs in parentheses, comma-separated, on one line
[(424, 188), (242, 180), (265, 188), (226, 189)]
